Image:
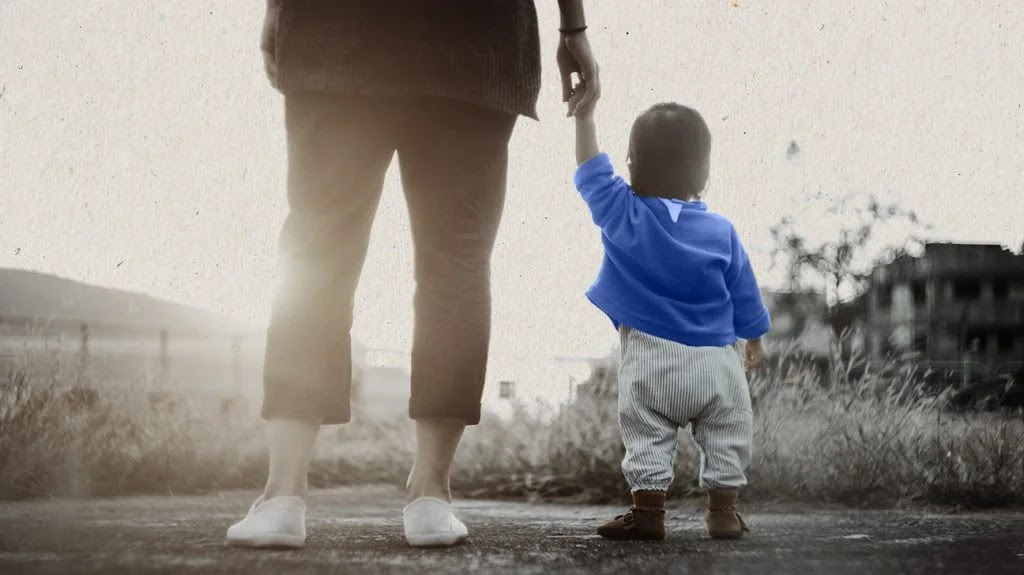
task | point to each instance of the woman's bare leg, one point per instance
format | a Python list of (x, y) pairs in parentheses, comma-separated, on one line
[(290, 441), (278, 519), (436, 442)]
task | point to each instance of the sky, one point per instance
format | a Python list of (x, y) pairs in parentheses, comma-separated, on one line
[(142, 148)]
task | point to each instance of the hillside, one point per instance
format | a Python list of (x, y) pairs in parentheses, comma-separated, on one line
[(31, 294)]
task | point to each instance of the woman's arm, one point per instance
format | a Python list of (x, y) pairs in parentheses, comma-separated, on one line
[(267, 42), (574, 54), (572, 14)]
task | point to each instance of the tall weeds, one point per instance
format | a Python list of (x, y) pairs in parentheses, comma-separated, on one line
[(847, 433)]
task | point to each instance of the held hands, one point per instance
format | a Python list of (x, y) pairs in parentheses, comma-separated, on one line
[(753, 354), (576, 95), (574, 55)]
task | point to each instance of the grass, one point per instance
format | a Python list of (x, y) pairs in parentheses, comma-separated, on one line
[(872, 439)]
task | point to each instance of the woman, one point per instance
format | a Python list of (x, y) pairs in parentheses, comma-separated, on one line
[(441, 83)]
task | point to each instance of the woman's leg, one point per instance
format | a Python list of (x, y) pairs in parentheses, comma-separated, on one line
[(290, 441), (436, 442), (453, 159), (339, 149)]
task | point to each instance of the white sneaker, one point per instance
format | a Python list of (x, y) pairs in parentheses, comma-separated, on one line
[(429, 522), (274, 522)]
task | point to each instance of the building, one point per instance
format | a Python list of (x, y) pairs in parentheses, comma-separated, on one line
[(380, 383), (381, 393), (799, 321), (954, 302), (603, 382)]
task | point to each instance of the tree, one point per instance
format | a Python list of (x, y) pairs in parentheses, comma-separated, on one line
[(840, 266)]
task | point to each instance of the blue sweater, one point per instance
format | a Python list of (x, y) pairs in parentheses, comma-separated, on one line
[(687, 280)]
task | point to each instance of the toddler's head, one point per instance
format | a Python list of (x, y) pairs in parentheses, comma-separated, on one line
[(669, 152)]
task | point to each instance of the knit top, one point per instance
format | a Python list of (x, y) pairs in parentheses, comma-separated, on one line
[(678, 275), (484, 52)]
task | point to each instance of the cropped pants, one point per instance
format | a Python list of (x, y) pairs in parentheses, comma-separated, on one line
[(453, 159)]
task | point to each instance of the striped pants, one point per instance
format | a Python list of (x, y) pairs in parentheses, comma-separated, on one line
[(663, 385)]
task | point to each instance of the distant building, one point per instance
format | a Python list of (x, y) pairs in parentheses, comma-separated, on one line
[(507, 390), (799, 319), (380, 383), (953, 299), (601, 385), (382, 393)]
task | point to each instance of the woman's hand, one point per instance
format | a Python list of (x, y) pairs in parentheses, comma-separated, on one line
[(574, 55)]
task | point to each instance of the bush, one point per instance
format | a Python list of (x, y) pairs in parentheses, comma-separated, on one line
[(59, 438), (867, 439)]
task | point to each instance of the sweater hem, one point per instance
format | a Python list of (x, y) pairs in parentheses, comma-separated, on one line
[(342, 89), (756, 328), (657, 330), (494, 61)]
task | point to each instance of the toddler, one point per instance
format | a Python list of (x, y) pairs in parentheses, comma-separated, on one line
[(677, 285)]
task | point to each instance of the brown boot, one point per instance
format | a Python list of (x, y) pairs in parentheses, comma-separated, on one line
[(723, 521), (645, 521)]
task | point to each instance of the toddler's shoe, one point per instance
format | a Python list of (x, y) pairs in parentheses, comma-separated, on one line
[(645, 520), (429, 522), (274, 522), (723, 521)]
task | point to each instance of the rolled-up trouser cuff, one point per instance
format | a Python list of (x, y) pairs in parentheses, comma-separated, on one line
[(307, 370), (280, 400), (469, 414)]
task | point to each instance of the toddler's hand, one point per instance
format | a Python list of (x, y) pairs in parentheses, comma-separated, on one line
[(576, 95), (753, 354)]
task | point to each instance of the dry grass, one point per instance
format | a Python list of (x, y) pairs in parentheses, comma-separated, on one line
[(58, 438), (872, 439)]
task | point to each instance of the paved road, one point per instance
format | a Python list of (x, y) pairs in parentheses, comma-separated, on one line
[(359, 531)]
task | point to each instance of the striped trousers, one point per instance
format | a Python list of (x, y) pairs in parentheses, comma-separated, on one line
[(663, 385)]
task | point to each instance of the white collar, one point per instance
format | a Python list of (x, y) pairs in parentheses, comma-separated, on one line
[(674, 207)]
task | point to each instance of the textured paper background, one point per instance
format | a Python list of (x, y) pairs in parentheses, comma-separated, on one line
[(143, 149)]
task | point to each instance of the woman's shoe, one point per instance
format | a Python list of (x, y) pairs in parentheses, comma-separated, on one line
[(429, 522), (275, 522)]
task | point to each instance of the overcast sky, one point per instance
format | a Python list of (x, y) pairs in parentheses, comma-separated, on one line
[(143, 149)]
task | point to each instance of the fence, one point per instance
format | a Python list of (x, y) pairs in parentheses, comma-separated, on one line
[(172, 359)]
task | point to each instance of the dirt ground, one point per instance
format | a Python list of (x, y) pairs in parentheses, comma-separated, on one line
[(359, 530)]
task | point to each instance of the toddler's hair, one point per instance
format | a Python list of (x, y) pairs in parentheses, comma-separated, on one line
[(669, 152)]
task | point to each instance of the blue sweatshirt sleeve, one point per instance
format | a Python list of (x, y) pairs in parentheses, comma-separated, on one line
[(610, 199), (750, 317)]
